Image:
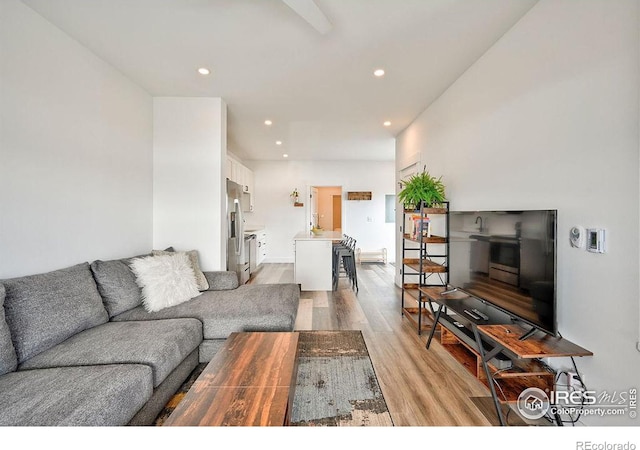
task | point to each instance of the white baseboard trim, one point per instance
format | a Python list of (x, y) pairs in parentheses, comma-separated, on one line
[(283, 260)]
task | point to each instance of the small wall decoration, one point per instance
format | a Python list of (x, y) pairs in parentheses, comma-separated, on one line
[(295, 195), (359, 195)]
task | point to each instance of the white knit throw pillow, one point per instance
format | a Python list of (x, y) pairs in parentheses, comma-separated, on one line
[(166, 280)]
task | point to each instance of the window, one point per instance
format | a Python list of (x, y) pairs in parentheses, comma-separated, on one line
[(389, 208)]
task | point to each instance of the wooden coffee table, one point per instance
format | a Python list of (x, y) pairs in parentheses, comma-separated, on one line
[(249, 382)]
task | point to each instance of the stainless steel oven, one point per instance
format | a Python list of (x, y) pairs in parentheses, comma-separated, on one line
[(504, 260)]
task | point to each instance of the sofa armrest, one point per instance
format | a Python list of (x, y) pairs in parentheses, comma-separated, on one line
[(221, 280)]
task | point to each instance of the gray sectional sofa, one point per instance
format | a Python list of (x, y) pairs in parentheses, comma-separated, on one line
[(77, 347)]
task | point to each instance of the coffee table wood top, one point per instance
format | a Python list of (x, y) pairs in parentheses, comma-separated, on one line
[(249, 382)]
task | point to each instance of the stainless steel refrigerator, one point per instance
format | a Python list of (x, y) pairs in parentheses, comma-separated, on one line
[(237, 252)]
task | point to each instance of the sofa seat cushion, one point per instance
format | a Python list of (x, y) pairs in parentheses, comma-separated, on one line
[(159, 344), (45, 309), (259, 307), (107, 395), (8, 358)]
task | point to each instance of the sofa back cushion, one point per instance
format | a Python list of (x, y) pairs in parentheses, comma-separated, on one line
[(45, 309), (8, 360), (117, 285)]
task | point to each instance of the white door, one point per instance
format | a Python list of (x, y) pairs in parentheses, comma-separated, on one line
[(313, 202)]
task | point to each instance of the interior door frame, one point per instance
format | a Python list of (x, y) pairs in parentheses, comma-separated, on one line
[(308, 205), (405, 168)]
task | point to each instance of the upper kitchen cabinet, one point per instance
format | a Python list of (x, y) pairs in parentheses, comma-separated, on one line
[(239, 173), (249, 180), (232, 169), (246, 179)]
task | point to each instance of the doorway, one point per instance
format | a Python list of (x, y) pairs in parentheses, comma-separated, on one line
[(337, 213), (325, 207)]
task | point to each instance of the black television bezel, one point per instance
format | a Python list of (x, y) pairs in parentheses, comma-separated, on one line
[(511, 314)]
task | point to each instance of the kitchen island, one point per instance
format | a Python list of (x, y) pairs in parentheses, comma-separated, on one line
[(313, 260)]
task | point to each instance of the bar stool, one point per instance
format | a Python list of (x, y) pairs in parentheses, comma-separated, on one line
[(339, 249), (344, 259), (349, 262)]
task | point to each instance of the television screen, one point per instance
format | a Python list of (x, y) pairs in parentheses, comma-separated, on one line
[(507, 258)]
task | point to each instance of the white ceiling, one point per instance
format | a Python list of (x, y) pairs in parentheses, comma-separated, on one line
[(267, 62)]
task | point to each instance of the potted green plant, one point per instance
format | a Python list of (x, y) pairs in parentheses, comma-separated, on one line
[(421, 189)]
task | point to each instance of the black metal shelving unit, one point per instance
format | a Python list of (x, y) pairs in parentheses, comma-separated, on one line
[(425, 262)]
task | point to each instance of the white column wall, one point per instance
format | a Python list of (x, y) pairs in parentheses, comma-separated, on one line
[(189, 188)]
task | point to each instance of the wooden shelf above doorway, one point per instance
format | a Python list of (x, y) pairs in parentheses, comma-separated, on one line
[(359, 195)]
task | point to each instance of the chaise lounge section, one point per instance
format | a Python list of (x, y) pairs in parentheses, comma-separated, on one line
[(78, 348)]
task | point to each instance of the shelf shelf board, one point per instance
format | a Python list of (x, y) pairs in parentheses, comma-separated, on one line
[(512, 381), (412, 315), (512, 388), (412, 292), (545, 346), (428, 266), (426, 240), (434, 293), (426, 211)]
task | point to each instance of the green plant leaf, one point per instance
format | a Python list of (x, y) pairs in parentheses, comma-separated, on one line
[(422, 187)]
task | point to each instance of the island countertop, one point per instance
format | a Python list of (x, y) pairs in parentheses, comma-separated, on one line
[(324, 236)]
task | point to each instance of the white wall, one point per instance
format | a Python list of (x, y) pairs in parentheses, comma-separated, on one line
[(75, 151), (274, 181), (548, 118), (189, 157)]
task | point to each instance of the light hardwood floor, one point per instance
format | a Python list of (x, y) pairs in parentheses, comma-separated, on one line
[(421, 387)]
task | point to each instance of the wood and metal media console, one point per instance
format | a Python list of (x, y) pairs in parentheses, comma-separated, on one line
[(492, 348)]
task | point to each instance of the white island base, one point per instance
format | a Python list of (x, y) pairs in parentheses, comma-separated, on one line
[(314, 259)]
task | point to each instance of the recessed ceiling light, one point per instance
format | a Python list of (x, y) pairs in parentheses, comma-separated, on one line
[(278, 142), (387, 123), (268, 122), (285, 156), (378, 72), (204, 71)]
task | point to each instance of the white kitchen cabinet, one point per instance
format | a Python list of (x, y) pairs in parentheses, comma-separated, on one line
[(241, 174), (262, 247), (232, 169), (248, 180)]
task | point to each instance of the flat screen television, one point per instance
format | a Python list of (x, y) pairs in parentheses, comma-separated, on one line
[(507, 258)]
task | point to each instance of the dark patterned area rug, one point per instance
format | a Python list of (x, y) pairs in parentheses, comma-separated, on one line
[(336, 384)]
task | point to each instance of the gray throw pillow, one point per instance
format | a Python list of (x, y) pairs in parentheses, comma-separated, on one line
[(8, 359), (117, 285), (45, 309), (201, 280)]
